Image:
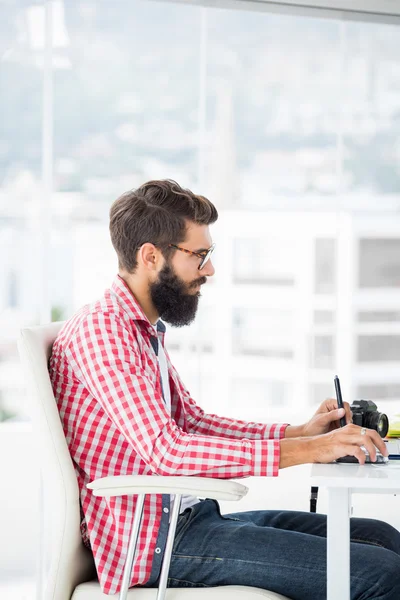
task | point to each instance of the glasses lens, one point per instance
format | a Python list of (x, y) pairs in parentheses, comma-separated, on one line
[(207, 257)]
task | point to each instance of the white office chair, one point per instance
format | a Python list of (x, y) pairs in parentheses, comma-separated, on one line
[(72, 574)]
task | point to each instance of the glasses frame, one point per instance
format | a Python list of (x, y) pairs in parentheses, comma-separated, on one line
[(205, 256)]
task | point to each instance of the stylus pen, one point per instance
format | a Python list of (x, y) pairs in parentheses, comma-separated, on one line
[(339, 400)]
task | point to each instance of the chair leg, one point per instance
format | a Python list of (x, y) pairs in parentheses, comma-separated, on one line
[(126, 578), (162, 587)]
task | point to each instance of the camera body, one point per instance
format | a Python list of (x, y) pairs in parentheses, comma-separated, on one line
[(366, 414)]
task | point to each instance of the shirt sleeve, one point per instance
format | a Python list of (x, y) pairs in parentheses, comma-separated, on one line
[(106, 356)]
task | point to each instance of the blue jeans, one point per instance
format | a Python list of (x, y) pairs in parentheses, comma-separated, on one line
[(281, 551)]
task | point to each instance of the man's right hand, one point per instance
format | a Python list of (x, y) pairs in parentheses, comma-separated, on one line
[(332, 445)]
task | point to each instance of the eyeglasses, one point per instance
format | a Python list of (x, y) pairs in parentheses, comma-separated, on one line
[(205, 255)]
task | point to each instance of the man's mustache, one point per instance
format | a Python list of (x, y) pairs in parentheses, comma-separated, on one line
[(198, 282)]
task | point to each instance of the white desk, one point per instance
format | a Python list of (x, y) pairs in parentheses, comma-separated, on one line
[(341, 481)]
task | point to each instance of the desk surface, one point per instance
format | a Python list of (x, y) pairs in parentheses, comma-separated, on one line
[(379, 477)]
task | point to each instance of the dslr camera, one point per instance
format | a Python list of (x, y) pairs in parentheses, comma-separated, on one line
[(366, 414)]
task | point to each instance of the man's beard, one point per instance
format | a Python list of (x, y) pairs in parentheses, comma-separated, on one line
[(171, 298)]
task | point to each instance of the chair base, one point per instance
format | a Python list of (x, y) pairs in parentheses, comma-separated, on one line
[(91, 591)]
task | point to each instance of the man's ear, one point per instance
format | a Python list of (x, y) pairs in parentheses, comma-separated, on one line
[(149, 256)]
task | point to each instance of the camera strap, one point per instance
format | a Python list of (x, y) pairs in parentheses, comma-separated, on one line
[(313, 499)]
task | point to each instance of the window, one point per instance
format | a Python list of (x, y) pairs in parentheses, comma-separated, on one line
[(325, 265), (379, 392), (322, 352), (248, 108), (324, 317), (379, 263), (378, 348), (378, 316)]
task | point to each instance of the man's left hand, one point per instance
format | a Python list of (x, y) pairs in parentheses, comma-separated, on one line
[(327, 418)]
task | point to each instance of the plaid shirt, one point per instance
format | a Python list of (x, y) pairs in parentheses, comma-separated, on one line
[(106, 380)]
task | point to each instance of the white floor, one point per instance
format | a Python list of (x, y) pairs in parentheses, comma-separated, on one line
[(22, 589)]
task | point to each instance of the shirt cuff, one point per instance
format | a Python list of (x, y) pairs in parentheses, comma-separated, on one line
[(265, 459), (275, 431)]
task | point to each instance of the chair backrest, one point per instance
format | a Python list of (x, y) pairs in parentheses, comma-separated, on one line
[(70, 562)]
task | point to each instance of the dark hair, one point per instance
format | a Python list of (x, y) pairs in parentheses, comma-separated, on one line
[(157, 212)]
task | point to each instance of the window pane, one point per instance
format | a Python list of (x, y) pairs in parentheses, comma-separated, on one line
[(126, 108), (273, 110), (378, 348), (379, 263), (324, 317), (323, 352), (378, 316), (325, 265), (370, 115), (20, 193), (376, 392)]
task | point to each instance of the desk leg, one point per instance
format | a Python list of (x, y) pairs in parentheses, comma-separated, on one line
[(338, 544)]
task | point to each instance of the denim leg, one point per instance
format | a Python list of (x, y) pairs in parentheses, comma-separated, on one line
[(283, 551), (368, 531)]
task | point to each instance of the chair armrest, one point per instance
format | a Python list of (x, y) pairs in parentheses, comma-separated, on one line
[(204, 487)]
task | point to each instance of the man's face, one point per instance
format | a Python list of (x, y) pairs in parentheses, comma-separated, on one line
[(176, 291)]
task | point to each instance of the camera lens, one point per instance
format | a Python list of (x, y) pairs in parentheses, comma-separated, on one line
[(378, 421)]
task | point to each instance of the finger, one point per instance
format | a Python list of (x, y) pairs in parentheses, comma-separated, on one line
[(349, 414), (333, 415), (330, 404), (326, 406), (378, 441), (373, 442), (365, 440), (354, 450)]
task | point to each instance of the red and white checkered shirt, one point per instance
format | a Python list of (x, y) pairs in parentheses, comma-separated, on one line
[(106, 380)]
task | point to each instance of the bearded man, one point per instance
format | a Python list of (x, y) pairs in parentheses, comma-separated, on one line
[(125, 411)]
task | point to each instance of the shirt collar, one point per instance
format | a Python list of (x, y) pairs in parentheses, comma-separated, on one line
[(128, 301)]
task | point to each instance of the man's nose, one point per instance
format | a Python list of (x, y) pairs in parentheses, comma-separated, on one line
[(208, 269)]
